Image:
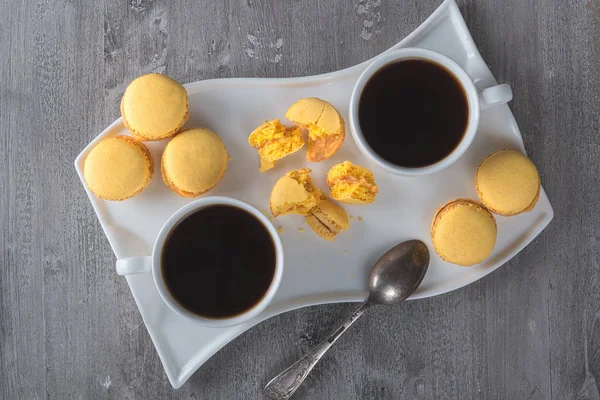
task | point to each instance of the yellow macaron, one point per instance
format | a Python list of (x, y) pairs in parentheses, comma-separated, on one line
[(118, 168), (294, 193), (508, 183), (351, 184), (194, 162), (328, 219), (463, 232), (154, 107), (326, 127)]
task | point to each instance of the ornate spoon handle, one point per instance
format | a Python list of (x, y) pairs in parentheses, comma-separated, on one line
[(285, 384)]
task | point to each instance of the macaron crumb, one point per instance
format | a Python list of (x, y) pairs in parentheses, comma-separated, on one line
[(280, 229), (300, 230), (351, 217), (345, 251), (271, 219), (360, 218), (352, 276)]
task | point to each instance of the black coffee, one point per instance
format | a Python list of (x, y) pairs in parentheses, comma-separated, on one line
[(219, 261), (413, 113)]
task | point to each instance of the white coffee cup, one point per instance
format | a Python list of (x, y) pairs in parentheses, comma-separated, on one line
[(152, 264), (476, 101)]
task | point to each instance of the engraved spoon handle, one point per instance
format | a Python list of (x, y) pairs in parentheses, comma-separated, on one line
[(285, 384)]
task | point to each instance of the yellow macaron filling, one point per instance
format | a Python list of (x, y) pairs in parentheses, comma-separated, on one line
[(352, 184), (275, 141), (267, 132)]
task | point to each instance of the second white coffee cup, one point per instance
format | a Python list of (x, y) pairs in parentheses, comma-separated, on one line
[(476, 101)]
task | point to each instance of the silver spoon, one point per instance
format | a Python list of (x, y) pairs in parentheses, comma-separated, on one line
[(394, 277)]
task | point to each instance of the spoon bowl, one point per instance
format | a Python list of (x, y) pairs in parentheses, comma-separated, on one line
[(393, 278), (398, 273)]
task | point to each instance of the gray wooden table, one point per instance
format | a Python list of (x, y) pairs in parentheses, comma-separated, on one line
[(68, 325)]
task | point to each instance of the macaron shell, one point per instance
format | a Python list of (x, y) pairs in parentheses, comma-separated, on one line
[(463, 232), (306, 111), (194, 162), (287, 191), (320, 228), (118, 168), (294, 193), (154, 107), (325, 124), (507, 183), (535, 199), (335, 216), (328, 219), (330, 120)]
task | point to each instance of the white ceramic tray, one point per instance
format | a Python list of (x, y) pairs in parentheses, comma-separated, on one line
[(315, 271)]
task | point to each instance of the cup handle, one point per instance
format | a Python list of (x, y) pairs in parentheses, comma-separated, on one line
[(494, 96), (134, 265)]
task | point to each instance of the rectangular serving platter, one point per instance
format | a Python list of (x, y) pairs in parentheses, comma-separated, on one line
[(316, 271)]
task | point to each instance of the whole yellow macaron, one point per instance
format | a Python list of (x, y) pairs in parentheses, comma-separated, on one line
[(194, 162), (154, 107), (326, 127), (508, 183), (463, 232), (118, 168)]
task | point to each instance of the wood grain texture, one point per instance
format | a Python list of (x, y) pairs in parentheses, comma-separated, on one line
[(68, 325)]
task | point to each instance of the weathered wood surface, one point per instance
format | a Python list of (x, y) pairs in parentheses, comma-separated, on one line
[(68, 325)]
